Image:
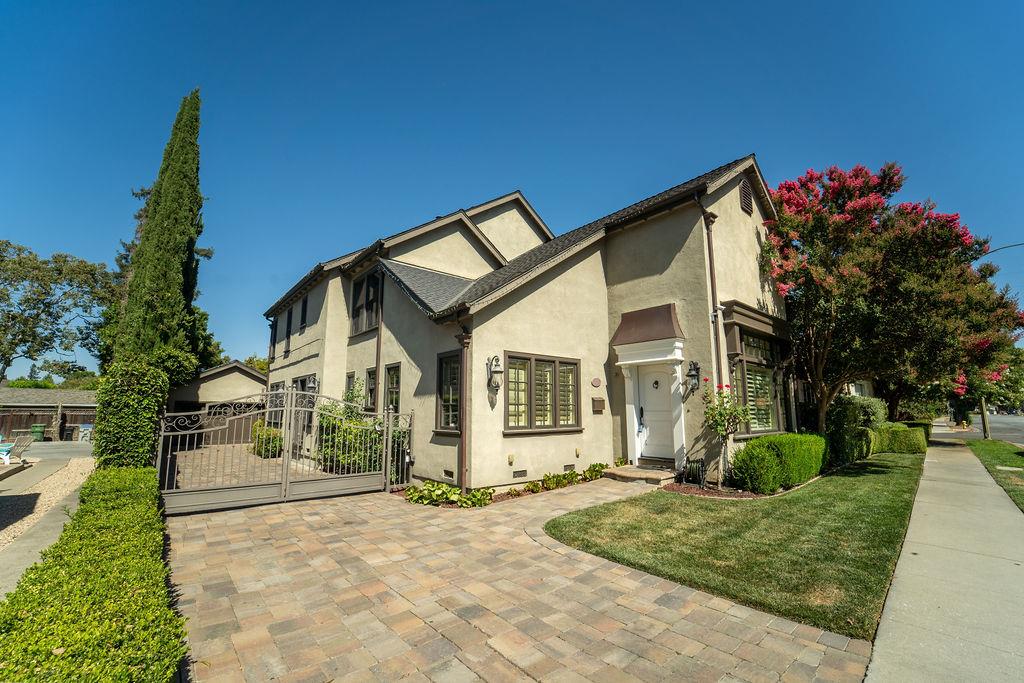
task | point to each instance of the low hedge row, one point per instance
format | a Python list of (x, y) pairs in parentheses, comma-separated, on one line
[(96, 607), (771, 462), (899, 439), (926, 425)]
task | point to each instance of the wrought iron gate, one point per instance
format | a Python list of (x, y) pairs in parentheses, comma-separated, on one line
[(277, 446)]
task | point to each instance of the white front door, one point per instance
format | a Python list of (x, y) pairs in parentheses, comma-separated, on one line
[(655, 410)]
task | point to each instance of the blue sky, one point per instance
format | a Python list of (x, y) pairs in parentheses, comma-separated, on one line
[(325, 126)]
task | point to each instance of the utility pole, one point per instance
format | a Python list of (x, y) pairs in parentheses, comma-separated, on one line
[(985, 433)]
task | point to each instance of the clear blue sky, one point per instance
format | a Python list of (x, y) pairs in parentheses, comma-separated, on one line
[(325, 126)]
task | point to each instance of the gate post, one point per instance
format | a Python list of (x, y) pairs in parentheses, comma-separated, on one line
[(287, 436), (387, 449)]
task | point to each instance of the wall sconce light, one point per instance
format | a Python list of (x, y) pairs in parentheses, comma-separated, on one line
[(312, 385), (494, 372), (693, 375)]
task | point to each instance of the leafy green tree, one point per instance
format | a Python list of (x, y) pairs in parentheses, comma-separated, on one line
[(160, 287), (1008, 392), (45, 304), (257, 363)]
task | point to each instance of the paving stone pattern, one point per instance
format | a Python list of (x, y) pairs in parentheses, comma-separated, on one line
[(371, 588)]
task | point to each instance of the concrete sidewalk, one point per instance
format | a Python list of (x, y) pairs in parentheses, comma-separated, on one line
[(953, 611)]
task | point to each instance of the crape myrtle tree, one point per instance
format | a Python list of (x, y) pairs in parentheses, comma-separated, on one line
[(153, 313), (873, 289), (45, 304)]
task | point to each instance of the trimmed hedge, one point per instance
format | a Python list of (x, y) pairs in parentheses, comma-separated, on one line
[(96, 606), (845, 417), (801, 456), (756, 467), (267, 442), (129, 402), (900, 439), (926, 425)]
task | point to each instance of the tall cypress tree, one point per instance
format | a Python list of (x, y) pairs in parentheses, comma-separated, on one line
[(159, 319)]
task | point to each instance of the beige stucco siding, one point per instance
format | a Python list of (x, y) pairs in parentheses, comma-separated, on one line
[(409, 338), (450, 249), (510, 229), (307, 345), (563, 313), (656, 262), (221, 387), (335, 329), (738, 240)]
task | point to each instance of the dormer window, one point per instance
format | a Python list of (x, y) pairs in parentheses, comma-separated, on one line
[(366, 302), (746, 197)]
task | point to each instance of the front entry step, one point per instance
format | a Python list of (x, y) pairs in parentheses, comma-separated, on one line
[(641, 473)]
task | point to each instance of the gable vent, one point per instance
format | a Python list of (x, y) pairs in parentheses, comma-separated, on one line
[(746, 197)]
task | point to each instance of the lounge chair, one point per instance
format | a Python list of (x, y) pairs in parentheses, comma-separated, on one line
[(16, 449)]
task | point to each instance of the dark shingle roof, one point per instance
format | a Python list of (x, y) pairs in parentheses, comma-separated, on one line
[(12, 396), (524, 263), (430, 289)]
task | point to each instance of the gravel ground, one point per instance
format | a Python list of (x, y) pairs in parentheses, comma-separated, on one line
[(23, 510)]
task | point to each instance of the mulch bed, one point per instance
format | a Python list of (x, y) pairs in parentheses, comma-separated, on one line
[(694, 490)]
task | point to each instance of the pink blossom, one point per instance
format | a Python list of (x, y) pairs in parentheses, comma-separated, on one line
[(784, 288)]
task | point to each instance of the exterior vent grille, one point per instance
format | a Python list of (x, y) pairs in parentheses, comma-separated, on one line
[(568, 468), (448, 474), (519, 474), (746, 197)]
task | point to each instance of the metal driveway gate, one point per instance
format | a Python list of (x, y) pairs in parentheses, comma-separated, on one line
[(277, 446)]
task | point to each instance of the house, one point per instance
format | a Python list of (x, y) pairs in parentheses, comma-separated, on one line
[(223, 384), (521, 353), (68, 414)]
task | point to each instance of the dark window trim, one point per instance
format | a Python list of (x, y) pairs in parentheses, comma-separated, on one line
[(350, 381), (398, 387), (531, 358), (446, 430), (273, 338), (288, 333), (372, 404), (304, 310), (361, 301), (746, 359)]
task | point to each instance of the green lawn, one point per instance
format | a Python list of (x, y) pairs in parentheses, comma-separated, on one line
[(992, 453), (822, 555)]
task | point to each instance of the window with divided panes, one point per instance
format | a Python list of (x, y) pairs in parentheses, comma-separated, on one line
[(541, 393)]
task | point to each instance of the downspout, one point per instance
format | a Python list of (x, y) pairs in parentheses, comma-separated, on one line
[(380, 333), (465, 339), (716, 309)]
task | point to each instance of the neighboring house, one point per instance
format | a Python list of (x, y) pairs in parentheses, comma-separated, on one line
[(67, 413), (222, 384), (521, 353)]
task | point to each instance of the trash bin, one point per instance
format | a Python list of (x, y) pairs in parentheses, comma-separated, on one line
[(38, 431)]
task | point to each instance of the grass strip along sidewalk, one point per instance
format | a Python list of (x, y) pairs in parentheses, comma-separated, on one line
[(993, 454), (822, 555), (96, 607)]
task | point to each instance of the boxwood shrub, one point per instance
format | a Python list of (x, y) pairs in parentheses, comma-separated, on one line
[(845, 417), (129, 402), (755, 467), (900, 439), (267, 442), (96, 607), (800, 456), (926, 425)]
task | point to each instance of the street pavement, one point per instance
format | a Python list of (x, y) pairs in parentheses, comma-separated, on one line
[(1003, 427), (59, 450)]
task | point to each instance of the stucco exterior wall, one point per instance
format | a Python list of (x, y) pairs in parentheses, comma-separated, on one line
[(306, 355), (224, 386), (562, 312), (414, 341), (662, 261), (509, 228), (738, 240), (336, 324), (450, 249)]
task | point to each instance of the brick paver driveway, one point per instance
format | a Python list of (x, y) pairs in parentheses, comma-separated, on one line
[(372, 588)]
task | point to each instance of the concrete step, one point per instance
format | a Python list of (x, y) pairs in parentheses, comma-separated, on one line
[(641, 473)]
